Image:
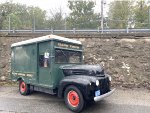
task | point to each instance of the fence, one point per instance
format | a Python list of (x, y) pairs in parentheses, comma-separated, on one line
[(80, 31)]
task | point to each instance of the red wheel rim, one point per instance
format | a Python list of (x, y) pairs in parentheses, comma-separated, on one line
[(22, 87), (73, 98)]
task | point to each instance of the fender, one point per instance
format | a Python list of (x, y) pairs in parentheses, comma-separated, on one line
[(20, 78), (80, 81)]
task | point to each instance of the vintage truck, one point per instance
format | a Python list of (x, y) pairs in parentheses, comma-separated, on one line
[(54, 65)]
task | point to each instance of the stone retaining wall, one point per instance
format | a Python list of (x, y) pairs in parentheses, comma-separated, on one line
[(127, 60)]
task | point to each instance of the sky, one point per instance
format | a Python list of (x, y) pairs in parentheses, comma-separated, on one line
[(56, 4)]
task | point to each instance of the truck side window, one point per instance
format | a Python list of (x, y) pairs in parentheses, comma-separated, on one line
[(60, 56), (67, 56), (43, 62)]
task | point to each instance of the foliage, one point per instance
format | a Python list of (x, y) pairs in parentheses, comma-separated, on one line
[(5, 10), (82, 15), (56, 20), (21, 16), (141, 10), (38, 15), (119, 13)]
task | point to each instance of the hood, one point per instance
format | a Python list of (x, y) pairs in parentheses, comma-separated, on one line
[(80, 79), (91, 70)]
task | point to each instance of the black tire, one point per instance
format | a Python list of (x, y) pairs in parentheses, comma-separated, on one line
[(24, 88), (79, 105)]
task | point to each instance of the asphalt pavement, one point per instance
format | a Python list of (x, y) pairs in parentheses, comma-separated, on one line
[(122, 101)]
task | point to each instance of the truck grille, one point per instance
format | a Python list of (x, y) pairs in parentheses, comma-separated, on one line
[(104, 85)]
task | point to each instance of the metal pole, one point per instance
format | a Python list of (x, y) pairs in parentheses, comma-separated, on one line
[(9, 24), (102, 16), (65, 23), (149, 17), (34, 22), (127, 29), (74, 30)]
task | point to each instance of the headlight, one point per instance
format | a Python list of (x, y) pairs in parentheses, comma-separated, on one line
[(110, 78), (97, 82)]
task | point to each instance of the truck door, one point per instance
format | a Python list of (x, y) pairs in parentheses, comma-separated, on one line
[(44, 67)]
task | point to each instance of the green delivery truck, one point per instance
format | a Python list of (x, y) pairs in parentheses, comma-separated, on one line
[(54, 65)]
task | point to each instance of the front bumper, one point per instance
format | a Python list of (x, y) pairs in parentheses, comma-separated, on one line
[(98, 98)]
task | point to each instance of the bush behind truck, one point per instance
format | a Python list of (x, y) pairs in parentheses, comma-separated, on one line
[(54, 65)]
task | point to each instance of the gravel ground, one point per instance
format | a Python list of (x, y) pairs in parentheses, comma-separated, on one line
[(122, 101)]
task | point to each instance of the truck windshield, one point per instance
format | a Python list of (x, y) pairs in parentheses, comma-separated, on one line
[(67, 56)]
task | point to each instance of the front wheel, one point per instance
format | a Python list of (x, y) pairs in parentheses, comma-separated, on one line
[(24, 88), (74, 99)]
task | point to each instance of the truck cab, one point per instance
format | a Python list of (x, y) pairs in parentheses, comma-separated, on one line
[(54, 65)]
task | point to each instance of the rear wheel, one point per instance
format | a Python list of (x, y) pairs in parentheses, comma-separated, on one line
[(74, 99), (24, 88)]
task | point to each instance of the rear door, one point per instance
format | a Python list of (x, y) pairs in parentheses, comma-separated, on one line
[(44, 64)]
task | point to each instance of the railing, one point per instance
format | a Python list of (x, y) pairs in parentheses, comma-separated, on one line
[(79, 31)]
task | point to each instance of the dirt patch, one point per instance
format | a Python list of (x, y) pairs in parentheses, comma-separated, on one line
[(126, 60), (8, 83)]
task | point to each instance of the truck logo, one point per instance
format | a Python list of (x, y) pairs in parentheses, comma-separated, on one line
[(67, 46), (22, 74)]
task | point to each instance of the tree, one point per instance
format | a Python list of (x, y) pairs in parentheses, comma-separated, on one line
[(119, 14), (18, 17), (56, 20), (21, 16), (82, 15), (5, 10), (141, 11), (38, 15)]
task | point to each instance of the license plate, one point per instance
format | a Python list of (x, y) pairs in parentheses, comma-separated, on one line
[(97, 93)]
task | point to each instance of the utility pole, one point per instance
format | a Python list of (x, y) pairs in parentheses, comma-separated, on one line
[(65, 23), (9, 24), (149, 16), (34, 22), (102, 16)]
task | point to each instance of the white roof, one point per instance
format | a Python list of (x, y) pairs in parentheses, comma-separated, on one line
[(44, 38)]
